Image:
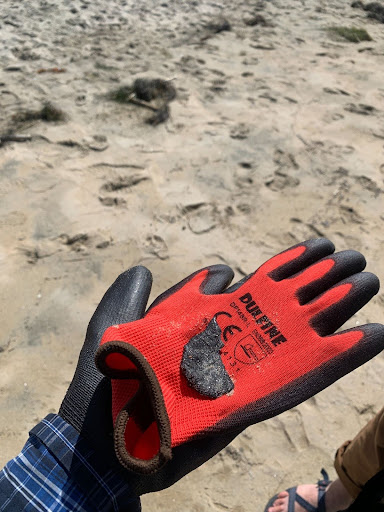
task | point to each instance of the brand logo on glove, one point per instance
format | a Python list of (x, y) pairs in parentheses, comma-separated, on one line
[(262, 320), (209, 369)]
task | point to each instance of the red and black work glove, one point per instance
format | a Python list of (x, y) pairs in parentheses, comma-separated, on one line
[(200, 363), (88, 402)]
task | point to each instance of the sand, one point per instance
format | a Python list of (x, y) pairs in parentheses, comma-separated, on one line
[(276, 136)]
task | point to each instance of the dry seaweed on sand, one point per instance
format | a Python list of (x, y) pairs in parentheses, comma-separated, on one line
[(375, 10), (11, 137), (218, 25), (257, 19), (145, 90), (48, 113), (351, 34), (123, 94), (214, 27), (150, 89), (160, 116)]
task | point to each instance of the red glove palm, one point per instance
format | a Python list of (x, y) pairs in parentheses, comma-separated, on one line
[(208, 363)]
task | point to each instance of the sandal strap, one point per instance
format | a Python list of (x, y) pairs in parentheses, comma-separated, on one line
[(321, 504), (325, 481), (322, 485), (304, 503), (294, 497)]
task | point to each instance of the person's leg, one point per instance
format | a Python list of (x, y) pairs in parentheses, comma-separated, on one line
[(356, 462)]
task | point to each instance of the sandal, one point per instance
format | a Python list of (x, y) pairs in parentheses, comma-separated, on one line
[(296, 498)]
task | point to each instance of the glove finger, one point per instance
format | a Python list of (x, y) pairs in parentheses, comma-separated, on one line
[(365, 342), (88, 399), (297, 258), (216, 280), (293, 260), (125, 301), (351, 349), (324, 274), (237, 285), (334, 307)]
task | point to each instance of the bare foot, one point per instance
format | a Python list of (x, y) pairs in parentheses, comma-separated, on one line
[(336, 498), (308, 492)]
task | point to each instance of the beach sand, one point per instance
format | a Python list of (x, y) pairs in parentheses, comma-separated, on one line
[(276, 136)]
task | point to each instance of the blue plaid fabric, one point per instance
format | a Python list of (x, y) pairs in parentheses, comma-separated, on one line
[(57, 470)]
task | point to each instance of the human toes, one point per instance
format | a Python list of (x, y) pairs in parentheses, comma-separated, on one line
[(278, 508), (280, 504)]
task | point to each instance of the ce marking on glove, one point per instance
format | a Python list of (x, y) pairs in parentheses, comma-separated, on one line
[(249, 350), (229, 330)]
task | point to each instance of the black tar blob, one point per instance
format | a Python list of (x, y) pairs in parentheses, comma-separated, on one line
[(202, 364)]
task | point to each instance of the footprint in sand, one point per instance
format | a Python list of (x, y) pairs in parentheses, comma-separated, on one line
[(112, 201), (281, 180), (201, 217), (123, 182), (156, 245), (240, 131), (244, 175), (361, 108)]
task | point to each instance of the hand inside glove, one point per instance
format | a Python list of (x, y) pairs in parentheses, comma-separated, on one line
[(198, 363)]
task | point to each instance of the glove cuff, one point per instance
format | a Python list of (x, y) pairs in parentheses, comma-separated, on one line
[(142, 432)]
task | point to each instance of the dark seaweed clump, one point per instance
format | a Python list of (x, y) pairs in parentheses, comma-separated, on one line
[(143, 92), (48, 113), (146, 89), (375, 10), (150, 89)]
